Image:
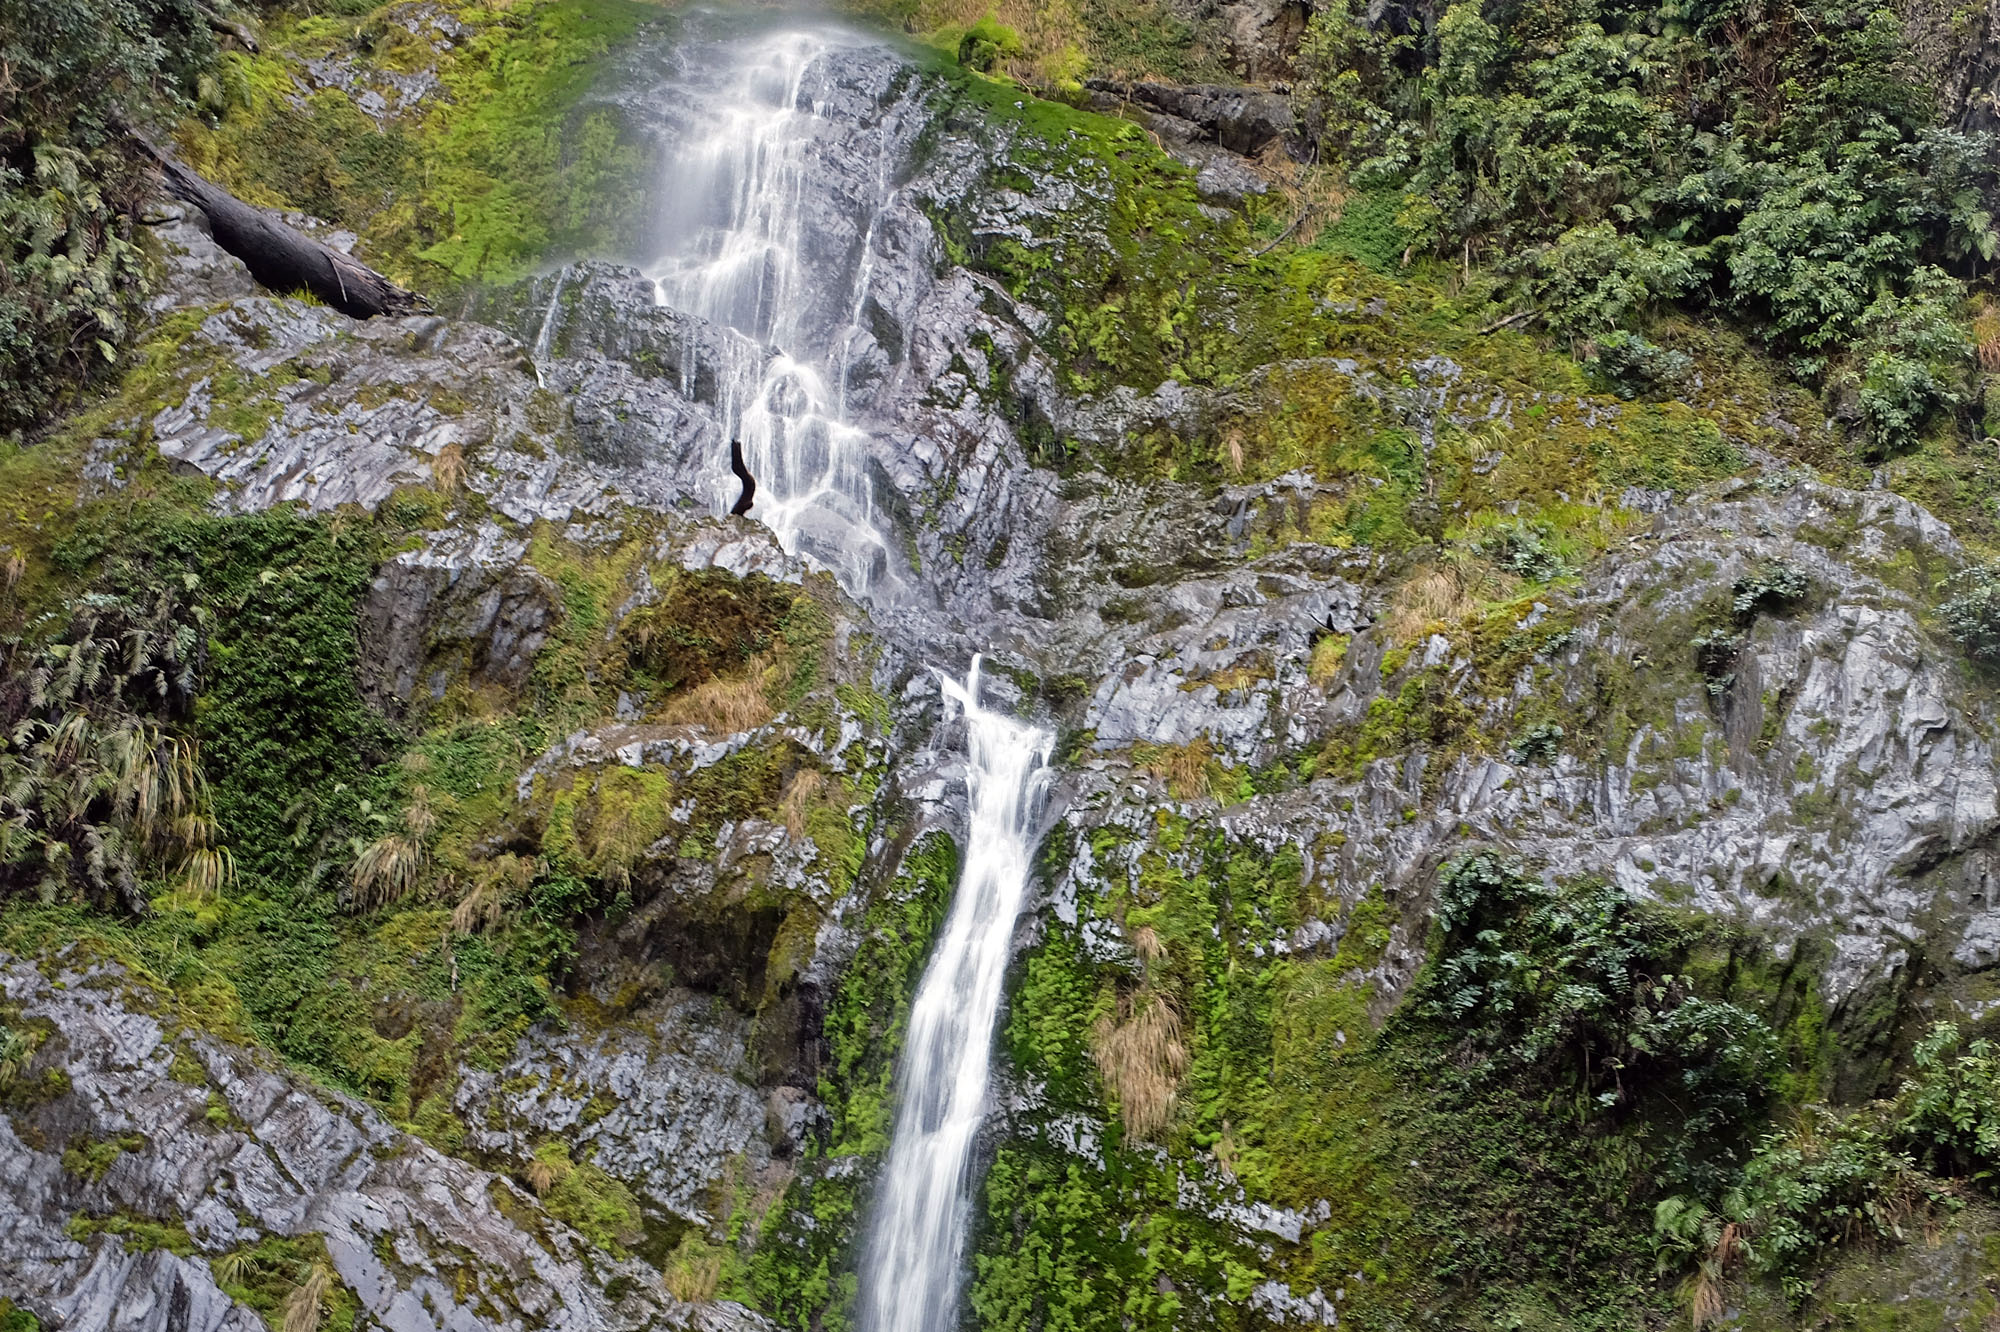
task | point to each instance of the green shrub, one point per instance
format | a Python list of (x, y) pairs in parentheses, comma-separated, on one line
[(1633, 366), (1529, 549), (1538, 744), (1912, 361), (1952, 1107), (1971, 613), (1831, 1179), (1593, 279), (1715, 653), (1789, 161), (1772, 588), (1584, 979), (70, 274)]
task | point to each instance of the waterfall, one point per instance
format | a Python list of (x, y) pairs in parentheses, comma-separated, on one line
[(756, 216), (911, 1280), (545, 336), (743, 204)]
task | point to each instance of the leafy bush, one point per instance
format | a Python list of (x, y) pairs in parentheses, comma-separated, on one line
[(1594, 279), (1791, 159), (1832, 1178), (1952, 1106), (1772, 588), (1526, 548), (70, 273), (1715, 653), (1913, 360), (1633, 366), (97, 787), (1585, 978), (1540, 744), (1971, 612)]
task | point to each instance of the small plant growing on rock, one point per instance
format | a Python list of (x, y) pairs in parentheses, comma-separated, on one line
[(303, 1308), (1715, 657), (1527, 549), (1773, 588), (1141, 1056), (388, 867), (1539, 744), (1972, 613)]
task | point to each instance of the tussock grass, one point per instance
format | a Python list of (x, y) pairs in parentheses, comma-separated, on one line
[(305, 1305), (797, 799), (1141, 1057), (449, 468), (724, 706), (1188, 770), (484, 905), (1433, 597), (693, 1271), (388, 868)]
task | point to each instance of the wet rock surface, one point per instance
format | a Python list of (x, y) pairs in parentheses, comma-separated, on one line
[(1835, 780), (210, 1141)]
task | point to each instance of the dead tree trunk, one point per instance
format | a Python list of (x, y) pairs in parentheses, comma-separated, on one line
[(281, 257)]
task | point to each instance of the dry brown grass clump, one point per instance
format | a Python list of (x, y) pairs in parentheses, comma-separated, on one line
[(1433, 597), (485, 903), (693, 1271), (1986, 335), (548, 1169), (449, 468), (389, 867), (303, 1307), (723, 705), (1141, 1058), (1186, 769), (797, 799)]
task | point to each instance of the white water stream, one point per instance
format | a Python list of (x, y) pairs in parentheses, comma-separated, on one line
[(739, 204), (911, 1280)]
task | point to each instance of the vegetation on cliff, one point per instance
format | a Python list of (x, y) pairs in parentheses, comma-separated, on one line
[(1737, 233)]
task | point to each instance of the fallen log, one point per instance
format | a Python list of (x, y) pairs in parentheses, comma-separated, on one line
[(281, 257)]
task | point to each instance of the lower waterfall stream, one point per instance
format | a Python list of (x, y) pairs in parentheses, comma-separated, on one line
[(910, 1281), (739, 214)]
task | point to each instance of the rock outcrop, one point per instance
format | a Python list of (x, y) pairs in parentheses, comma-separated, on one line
[(193, 1150)]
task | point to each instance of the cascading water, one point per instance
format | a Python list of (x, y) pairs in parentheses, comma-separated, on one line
[(745, 191), (738, 212), (911, 1281)]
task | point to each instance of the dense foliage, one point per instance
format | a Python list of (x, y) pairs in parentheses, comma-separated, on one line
[(1787, 163), (73, 74)]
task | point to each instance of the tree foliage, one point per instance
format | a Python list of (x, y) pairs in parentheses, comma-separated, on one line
[(1785, 161), (72, 72)]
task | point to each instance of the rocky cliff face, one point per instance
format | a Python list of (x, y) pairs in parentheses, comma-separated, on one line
[(1318, 604)]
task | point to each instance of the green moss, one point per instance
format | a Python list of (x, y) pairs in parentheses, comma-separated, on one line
[(505, 165), (137, 1233), (601, 1208), (264, 1276), (90, 1161)]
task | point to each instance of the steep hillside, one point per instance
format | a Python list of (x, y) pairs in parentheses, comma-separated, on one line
[(1493, 506)]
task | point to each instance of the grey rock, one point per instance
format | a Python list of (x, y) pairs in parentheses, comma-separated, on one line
[(424, 1241)]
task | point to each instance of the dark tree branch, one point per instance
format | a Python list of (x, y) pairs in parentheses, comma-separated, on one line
[(231, 28), (1509, 320), (281, 257)]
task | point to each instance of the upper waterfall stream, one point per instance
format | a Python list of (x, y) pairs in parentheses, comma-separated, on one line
[(746, 189), (737, 211)]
